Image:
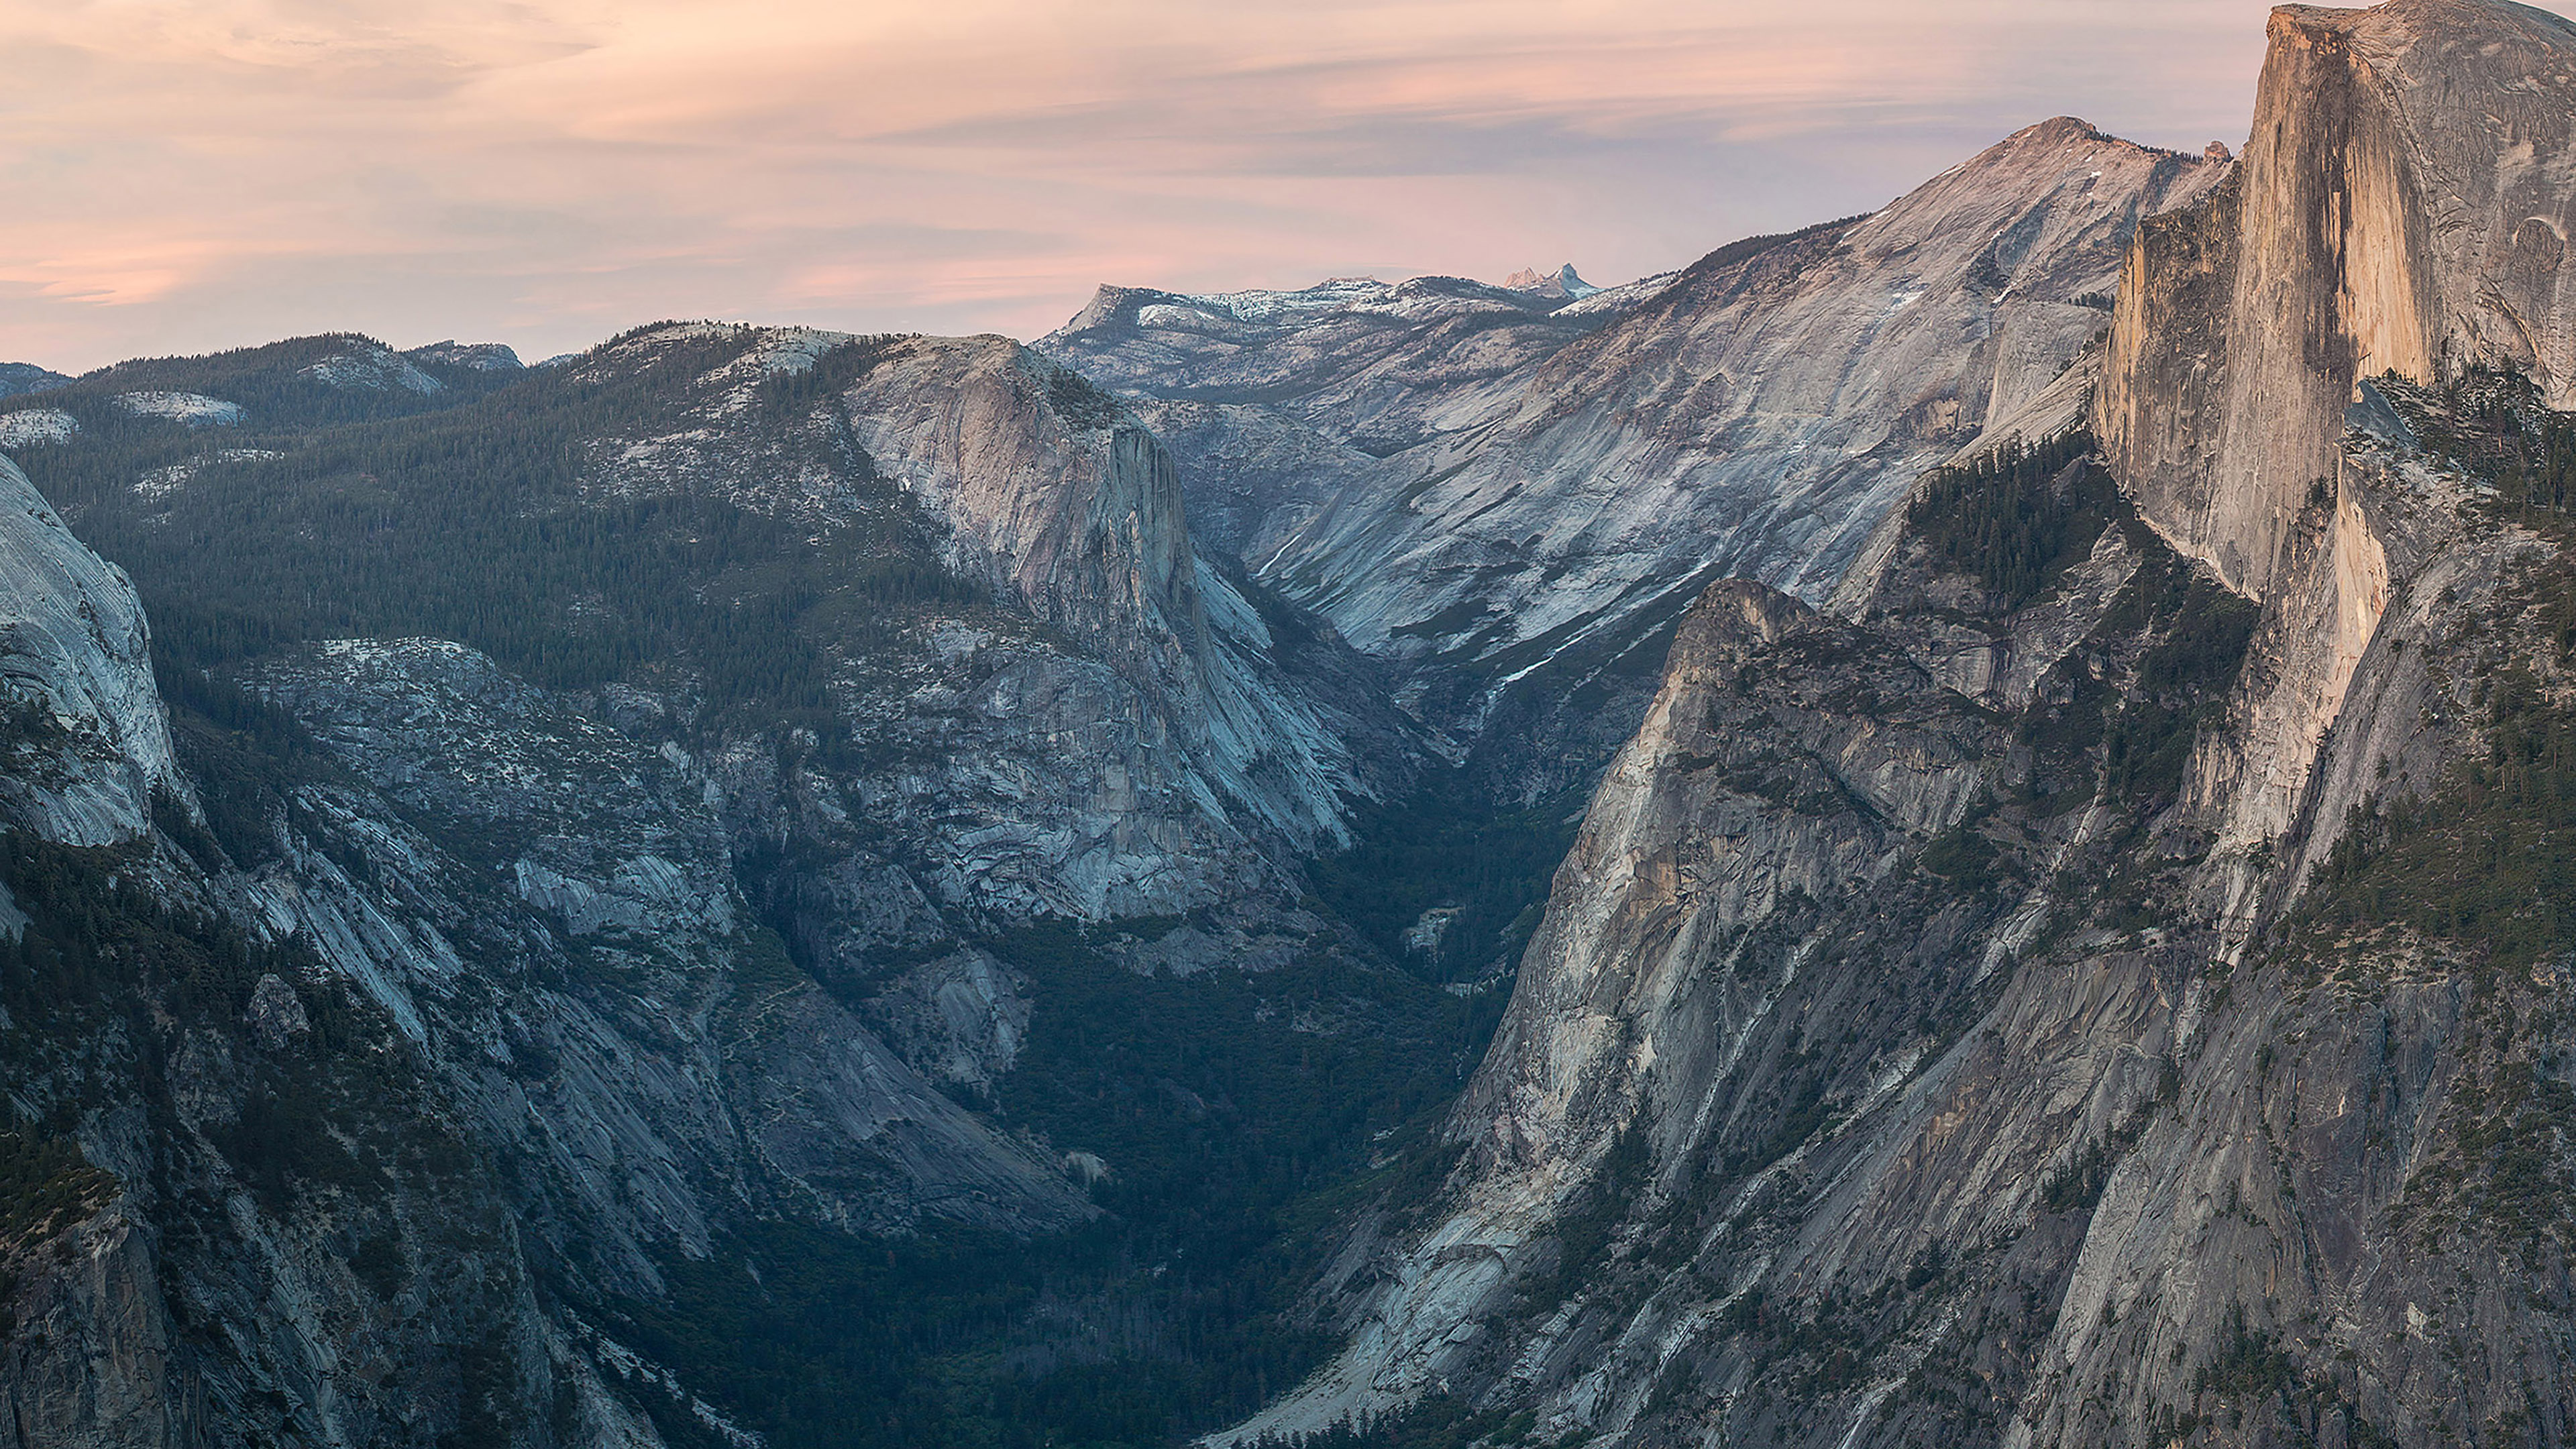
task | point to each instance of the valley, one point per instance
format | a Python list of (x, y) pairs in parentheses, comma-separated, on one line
[(1946, 828)]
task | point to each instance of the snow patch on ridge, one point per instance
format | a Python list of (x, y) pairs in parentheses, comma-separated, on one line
[(371, 369), (37, 426), (194, 409)]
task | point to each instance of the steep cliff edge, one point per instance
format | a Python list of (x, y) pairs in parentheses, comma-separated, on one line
[(2403, 207), (1899, 1061), (2399, 212), (1521, 532), (1052, 492), (1812, 1008), (2055, 999), (92, 742)]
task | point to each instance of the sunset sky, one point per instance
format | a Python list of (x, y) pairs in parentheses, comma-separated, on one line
[(197, 174)]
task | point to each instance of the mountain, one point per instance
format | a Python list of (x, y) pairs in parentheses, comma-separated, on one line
[(714, 833), (894, 475), (2096, 982), (764, 886), (1522, 524), (1271, 398), (20, 377), (1560, 283)]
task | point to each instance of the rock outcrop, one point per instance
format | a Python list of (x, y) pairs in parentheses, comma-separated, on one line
[(91, 745), (1526, 528), (2401, 208), (2042, 1001), (471, 356)]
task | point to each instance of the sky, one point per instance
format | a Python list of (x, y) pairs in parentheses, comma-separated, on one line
[(179, 176)]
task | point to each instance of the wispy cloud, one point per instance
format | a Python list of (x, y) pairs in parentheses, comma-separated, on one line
[(187, 174)]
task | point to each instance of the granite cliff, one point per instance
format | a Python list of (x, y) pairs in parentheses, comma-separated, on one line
[(756, 881), (1514, 495), (2086, 986), (2397, 210), (396, 1028)]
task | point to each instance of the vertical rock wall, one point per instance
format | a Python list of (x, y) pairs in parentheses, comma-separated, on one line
[(1985, 1125), (2401, 207)]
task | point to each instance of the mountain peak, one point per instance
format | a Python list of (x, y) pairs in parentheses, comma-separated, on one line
[(2389, 183), (1560, 283), (2420, 19)]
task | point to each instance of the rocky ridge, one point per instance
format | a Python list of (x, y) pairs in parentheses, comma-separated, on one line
[(1994, 1009), (486, 1004), (1553, 499), (1559, 283)]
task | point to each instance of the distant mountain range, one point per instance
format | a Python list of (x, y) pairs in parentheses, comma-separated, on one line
[(1513, 497)]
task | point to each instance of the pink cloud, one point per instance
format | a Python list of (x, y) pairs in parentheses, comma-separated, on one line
[(192, 175)]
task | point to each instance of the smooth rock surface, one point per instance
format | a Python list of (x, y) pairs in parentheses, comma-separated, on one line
[(91, 742)]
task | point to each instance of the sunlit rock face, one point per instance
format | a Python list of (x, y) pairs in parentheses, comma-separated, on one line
[(1501, 489), (2402, 207), (1916, 1054)]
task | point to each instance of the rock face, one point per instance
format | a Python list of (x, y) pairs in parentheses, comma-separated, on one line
[(1053, 494), (2401, 208), (91, 742), (620, 856), (1121, 736), (1906, 1055), (379, 1044), (1990, 1011), (1561, 490)]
